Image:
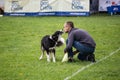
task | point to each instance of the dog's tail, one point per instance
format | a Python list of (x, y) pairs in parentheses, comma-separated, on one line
[(41, 49), (41, 46)]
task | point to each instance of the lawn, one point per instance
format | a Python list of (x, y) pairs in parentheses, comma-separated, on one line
[(20, 48)]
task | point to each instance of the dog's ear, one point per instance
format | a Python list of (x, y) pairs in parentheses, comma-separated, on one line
[(60, 32)]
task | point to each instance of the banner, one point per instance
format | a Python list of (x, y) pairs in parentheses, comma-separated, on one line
[(1, 3), (103, 4), (47, 7)]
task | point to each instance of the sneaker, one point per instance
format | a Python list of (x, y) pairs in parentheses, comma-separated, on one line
[(90, 57)]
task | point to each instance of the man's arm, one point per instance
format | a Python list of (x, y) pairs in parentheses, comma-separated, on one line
[(69, 43)]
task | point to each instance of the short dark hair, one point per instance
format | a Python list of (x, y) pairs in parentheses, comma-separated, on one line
[(70, 23)]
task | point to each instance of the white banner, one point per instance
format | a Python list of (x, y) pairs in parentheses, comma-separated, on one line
[(39, 6), (103, 4), (1, 3), (21, 5), (64, 5)]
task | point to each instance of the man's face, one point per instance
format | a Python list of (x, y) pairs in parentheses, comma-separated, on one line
[(66, 28)]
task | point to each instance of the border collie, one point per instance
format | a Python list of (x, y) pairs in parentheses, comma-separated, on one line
[(49, 43)]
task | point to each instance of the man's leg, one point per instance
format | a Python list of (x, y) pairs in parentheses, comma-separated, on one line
[(81, 56), (80, 47), (85, 52)]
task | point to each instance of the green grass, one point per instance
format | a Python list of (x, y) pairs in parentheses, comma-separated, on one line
[(20, 42)]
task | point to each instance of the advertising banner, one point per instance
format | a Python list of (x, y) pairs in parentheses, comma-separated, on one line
[(103, 4), (1, 3), (47, 7)]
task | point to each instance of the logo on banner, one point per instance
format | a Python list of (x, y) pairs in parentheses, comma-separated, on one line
[(108, 2), (115, 9), (44, 5), (76, 5), (16, 6)]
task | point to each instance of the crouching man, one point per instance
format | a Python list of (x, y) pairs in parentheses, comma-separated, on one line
[(81, 41)]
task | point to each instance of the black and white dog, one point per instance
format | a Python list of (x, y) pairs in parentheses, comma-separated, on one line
[(49, 43)]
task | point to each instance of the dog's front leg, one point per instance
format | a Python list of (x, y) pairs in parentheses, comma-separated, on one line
[(41, 55), (48, 56), (53, 56), (42, 49)]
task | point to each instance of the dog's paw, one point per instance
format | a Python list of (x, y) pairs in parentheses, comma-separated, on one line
[(54, 61), (48, 60), (40, 58)]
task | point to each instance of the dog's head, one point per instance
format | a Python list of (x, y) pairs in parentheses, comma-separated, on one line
[(56, 36), (60, 32)]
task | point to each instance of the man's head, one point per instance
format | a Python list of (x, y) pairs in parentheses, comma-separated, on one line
[(68, 26)]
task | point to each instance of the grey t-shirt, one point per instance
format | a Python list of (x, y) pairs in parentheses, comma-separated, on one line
[(81, 36)]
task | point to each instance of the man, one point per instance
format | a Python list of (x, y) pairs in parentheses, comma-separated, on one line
[(81, 41)]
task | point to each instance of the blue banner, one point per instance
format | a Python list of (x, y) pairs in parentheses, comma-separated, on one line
[(49, 14)]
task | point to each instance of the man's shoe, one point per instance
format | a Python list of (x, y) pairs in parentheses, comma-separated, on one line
[(91, 57)]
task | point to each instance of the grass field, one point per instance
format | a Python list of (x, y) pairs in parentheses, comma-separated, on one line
[(20, 40)]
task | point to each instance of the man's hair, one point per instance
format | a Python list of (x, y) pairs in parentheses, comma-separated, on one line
[(70, 23)]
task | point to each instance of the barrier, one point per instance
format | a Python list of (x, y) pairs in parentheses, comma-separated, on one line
[(47, 7)]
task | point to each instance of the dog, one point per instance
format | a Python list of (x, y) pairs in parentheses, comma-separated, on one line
[(49, 43)]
